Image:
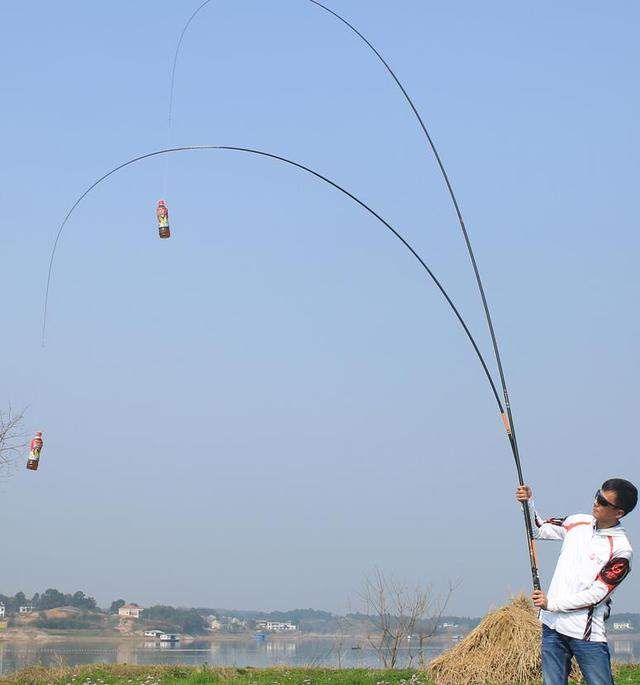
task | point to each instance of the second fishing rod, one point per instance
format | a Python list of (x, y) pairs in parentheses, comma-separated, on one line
[(506, 413)]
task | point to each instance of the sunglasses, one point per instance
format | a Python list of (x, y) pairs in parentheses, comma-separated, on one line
[(603, 502)]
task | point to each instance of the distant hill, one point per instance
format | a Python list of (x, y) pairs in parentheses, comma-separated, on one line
[(54, 611)]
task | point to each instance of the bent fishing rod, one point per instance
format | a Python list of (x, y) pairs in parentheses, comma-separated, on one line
[(298, 165), (506, 413)]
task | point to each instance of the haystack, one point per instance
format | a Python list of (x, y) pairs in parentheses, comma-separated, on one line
[(503, 648)]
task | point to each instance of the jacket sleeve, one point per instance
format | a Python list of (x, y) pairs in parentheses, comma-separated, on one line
[(546, 529), (607, 580)]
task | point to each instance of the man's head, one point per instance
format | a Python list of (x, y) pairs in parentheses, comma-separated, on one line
[(615, 498)]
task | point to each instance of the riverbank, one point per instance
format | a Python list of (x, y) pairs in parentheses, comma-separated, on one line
[(185, 675)]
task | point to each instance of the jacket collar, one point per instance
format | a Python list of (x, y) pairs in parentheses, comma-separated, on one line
[(614, 531)]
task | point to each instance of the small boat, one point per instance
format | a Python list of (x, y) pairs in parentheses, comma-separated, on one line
[(153, 633), (169, 637), (356, 647)]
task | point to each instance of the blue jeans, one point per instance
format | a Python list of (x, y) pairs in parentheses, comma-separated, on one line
[(592, 657)]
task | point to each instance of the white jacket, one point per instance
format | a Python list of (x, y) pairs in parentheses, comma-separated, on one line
[(592, 563)]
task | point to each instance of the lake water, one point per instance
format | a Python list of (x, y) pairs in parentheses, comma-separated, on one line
[(270, 652), (249, 652)]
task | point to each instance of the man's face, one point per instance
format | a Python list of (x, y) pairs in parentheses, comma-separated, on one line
[(605, 514)]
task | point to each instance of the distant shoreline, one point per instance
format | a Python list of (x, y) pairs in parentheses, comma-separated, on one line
[(41, 636)]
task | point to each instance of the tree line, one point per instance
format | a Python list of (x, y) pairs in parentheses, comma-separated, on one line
[(49, 599), (294, 615), (182, 620)]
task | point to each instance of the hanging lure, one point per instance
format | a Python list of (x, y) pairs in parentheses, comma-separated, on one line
[(35, 446), (162, 214)]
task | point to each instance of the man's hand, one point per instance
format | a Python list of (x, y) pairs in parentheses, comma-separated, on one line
[(539, 599), (523, 493)]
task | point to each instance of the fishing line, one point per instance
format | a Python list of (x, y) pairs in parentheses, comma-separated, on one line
[(507, 416), (172, 91), (299, 166)]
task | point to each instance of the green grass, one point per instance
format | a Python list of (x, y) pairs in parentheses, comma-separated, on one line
[(101, 674)]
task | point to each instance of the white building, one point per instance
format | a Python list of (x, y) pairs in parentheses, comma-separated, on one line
[(232, 624), (213, 623), (26, 609), (626, 625), (130, 611), (276, 626), (2, 610)]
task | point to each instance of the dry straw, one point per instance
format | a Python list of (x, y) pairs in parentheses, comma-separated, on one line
[(503, 648)]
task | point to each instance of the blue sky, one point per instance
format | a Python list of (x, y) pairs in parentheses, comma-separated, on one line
[(257, 412)]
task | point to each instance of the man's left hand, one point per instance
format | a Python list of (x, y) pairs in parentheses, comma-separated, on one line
[(539, 599)]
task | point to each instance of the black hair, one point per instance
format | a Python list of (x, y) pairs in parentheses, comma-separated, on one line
[(626, 493)]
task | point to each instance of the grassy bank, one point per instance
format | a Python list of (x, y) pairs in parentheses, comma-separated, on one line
[(193, 675)]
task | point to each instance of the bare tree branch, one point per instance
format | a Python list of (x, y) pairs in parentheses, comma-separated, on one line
[(13, 442), (399, 614), (430, 628)]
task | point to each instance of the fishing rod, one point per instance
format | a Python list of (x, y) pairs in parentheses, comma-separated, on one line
[(506, 414), (298, 165)]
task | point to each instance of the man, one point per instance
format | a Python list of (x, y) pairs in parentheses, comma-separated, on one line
[(595, 558)]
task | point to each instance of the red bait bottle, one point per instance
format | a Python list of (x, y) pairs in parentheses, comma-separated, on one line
[(162, 214), (34, 452)]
